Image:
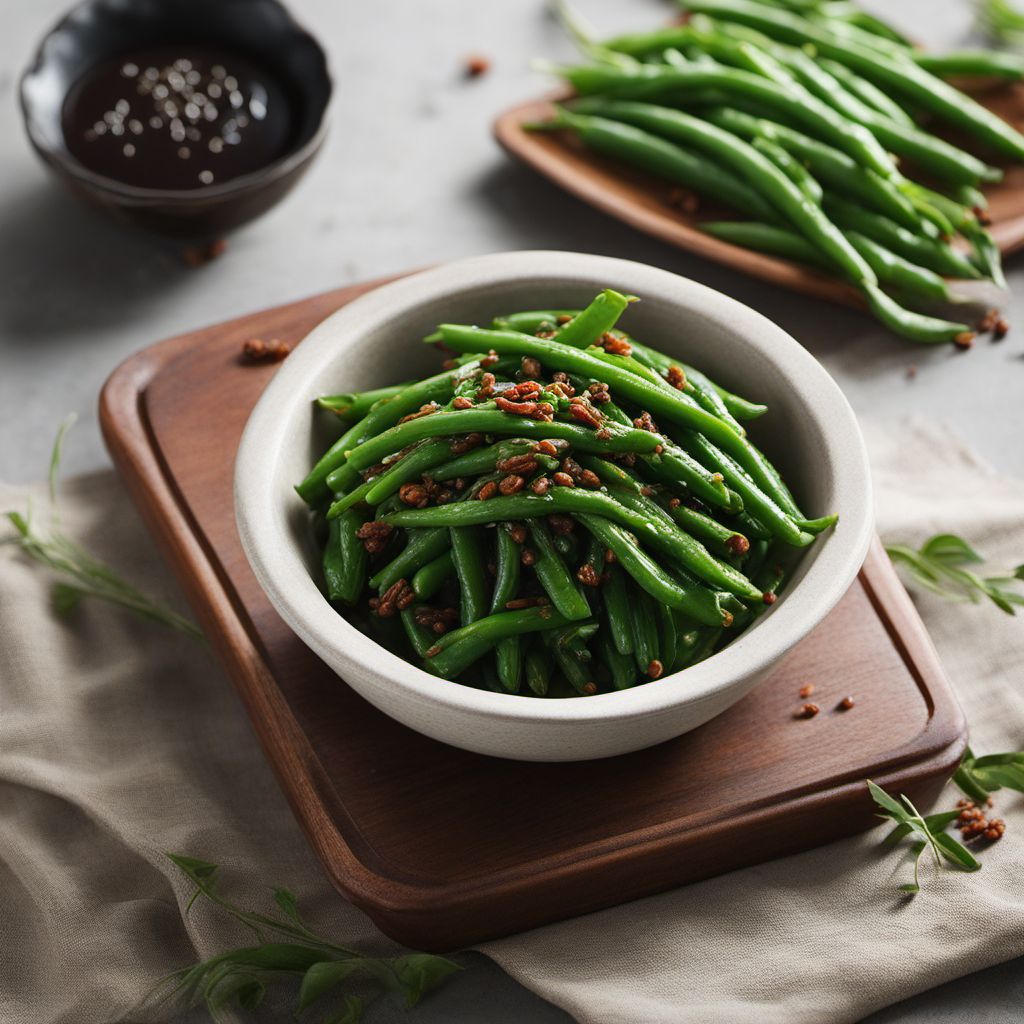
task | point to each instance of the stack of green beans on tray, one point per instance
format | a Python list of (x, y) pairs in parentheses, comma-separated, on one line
[(814, 122), (561, 511)]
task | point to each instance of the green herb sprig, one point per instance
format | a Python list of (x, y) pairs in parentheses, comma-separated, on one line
[(1002, 21), (938, 567), (926, 832), (80, 574), (289, 951), (980, 777)]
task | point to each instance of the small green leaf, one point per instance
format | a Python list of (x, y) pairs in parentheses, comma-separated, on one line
[(238, 988), (65, 598), (951, 549), (937, 568), (1015, 757), (324, 977), (1018, 573), (350, 1013), (276, 956), (937, 822), (19, 522), (285, 899), (956, 853), (419, 973), (885, 801), (1010, 776), (202, 872), (898, 833)]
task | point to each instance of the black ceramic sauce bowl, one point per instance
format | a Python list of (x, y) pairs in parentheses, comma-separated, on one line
[(98, 31)]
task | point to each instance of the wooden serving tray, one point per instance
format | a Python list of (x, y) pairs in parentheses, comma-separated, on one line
[(444, 848), (646, 201)]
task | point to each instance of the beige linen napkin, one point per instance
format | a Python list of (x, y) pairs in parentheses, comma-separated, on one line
[(119, 740)]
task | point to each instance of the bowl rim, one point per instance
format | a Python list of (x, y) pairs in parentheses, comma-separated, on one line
[(65, 161), (267, 544)]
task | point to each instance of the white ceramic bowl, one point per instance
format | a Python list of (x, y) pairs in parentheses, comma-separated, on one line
[(810, 432)]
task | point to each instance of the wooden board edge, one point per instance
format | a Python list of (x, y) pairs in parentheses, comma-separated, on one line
[(129, 441), (404, 910)]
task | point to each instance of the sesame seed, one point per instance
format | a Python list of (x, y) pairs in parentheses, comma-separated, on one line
[(128, 149), (206, 177), (130, 70)]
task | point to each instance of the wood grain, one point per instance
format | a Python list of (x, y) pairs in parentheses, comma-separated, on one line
[(443, 848), (650, 203)]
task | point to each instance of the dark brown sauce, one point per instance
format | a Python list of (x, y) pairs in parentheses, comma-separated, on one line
[(180, 117)]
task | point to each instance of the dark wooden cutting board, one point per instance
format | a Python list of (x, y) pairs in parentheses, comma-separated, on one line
[(444, 848)]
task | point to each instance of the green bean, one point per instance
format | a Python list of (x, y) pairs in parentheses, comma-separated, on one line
[(754, 499), (575, 668), (786, 197), (381, 416), (508, 657), (467, 557), (345, 559), (430, 578), (399, 471), (667, 639), (486, 677), (456, 651), (568, 547), (831, 166), (892, 270), (819, 525), (644, 620), (421, 547), (490, 420), (971, 197), (483, 459), (701, 603), (530, 321), (647, 81), (673, 465), (741, 408), (660, 532), (615, 592), (903, 76), (507, 569), (925, 252), (554, 576), (354, 405), (869, 93), (766, 238), (663, 158), (854, 16), (925, 329), (620, 666), (597, 319), (424, 456), (667, 402), (420, 638), (899, 273), (984, 63), (537, 670), (726, 540), (791, 167), (704, 390)]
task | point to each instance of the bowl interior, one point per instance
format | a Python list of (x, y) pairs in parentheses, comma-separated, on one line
[(810, 433), (101, 30)]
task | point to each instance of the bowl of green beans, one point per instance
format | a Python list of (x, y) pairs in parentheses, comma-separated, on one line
[(552, 506)]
